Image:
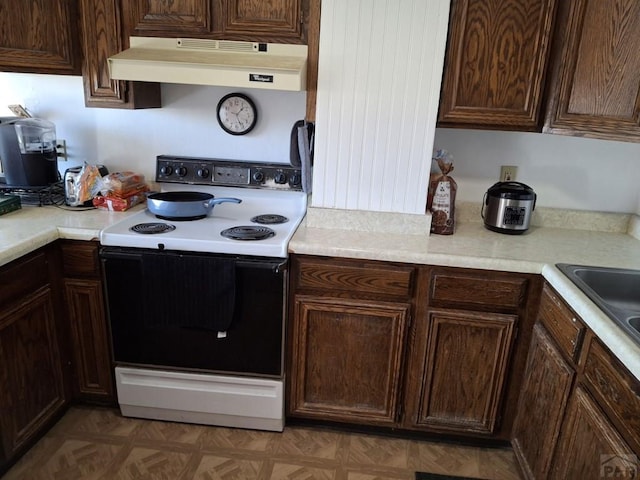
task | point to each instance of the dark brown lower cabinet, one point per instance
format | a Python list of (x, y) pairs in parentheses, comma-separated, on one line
[(348, 359), (461, 378), (579, 410), (405, 346), (589, 445), (33, 392), (545, 391), (86, 311), (346, 336)]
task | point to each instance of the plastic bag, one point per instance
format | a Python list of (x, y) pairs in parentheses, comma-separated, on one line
[(442, 195), (124, 184), (89, 183)]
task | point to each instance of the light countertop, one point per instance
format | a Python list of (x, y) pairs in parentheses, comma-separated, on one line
[(471, 246), (31, 227)]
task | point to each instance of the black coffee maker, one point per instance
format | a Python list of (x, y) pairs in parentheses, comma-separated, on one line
[(28, 152)]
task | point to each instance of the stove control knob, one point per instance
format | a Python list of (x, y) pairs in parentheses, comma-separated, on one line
[(181, 171), (203, 173), (295, 179), (166, 170), (258, 177), (280, 178)]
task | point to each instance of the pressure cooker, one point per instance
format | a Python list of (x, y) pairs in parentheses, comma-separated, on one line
[(507, 207)]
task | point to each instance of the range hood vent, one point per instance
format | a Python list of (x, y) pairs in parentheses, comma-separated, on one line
[(212, 62)]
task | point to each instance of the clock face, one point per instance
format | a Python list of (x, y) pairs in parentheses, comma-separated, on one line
[(237, 114)]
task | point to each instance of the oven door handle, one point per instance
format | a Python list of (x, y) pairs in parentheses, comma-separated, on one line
[(276, 266)]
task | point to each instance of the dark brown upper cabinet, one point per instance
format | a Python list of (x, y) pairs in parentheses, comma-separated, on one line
[(495, 65), (596, 76), (277, 21), (566, 67), (40, 36), (102, 37)]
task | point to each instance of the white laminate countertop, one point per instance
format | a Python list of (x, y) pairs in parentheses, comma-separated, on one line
[(472, 246), (31, 227)]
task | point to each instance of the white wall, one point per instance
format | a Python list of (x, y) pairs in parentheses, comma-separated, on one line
[(131, 139), (565, 172)]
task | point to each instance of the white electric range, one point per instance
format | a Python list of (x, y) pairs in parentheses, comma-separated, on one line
[(196, 318)]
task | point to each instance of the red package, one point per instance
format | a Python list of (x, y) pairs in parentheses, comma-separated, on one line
[(118, 204)]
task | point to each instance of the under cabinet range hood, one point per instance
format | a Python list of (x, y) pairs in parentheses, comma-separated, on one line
[(212, 62)]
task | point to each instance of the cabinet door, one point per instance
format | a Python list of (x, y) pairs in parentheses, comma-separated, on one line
[(86, 308), (186, 17), (596, 81), (589, 446), (102, 37), (347, 359), (281, 19), (496, 62), (464, 360), (267, 20), (545, 391), (40, 36), (32, 390)]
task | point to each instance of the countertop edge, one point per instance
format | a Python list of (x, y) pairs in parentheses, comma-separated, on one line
[(28, 245), (602, 326)]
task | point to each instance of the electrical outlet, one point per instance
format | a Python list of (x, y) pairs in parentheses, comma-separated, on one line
[(508, 173), (61, 148)]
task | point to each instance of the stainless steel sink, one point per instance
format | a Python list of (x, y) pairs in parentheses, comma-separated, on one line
[(615, 290)]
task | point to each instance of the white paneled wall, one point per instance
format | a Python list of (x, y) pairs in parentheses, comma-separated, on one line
[(378, 89)]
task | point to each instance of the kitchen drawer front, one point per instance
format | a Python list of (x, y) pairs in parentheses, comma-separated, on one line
[(355, 277), (23, 276), (474, 290), (616, 390), (565, 327), (80, 258)]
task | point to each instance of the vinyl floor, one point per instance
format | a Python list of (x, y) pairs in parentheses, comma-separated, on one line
[(98, 443)]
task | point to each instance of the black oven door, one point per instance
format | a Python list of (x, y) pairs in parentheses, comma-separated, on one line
[(193, 311)]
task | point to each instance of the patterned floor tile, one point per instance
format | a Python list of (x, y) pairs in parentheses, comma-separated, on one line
[(444, 458), (371, 450), (100, 444), (374, 476), (151, 464), (224, 468), (170, 432), (74, 459), (498, 464), (101, 421), (235, 438), (286, 471), (452, 459), (309, 443)]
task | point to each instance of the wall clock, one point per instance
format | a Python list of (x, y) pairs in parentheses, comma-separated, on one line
[(237, 114)]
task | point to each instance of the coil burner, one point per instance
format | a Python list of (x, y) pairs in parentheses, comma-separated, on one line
[(248, 232), (152, 228), (270, 219)]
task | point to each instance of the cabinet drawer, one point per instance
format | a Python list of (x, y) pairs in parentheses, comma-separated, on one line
[(477, 291), (616, 390), (565, 327), (80, 258), (23, 276), (366, 278)]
